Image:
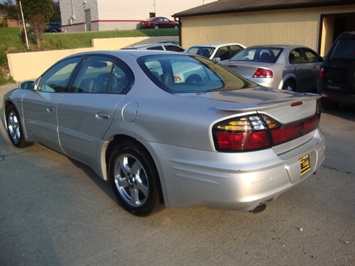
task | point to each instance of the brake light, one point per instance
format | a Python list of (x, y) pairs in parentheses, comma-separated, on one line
[(263, 73), (322, 73), (257, 132), (245, 133)]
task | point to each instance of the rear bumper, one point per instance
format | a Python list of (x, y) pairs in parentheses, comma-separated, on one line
[(240, 181), (336, 93), (339, 98)]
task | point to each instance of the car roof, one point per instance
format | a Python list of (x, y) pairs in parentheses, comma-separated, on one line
[(135, 53), (216, 44), (275, 46), (142, 46)]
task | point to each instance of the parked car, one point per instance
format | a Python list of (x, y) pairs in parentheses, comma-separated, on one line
[(336, 81), (286, 67), (222, 142), (216, 51), (157, 46), (158, 23), (53, 27)]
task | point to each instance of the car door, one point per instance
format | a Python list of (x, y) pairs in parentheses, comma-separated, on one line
[(86, 113), (301, 69), (314, 62), (40, 105)]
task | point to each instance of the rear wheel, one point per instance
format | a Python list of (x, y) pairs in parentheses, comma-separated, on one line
[(14, 128), (156, 27), (133, 178), (289, 86)]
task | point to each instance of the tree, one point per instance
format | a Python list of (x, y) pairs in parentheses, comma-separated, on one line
[(56, 12), (9, 9), (37, 13)]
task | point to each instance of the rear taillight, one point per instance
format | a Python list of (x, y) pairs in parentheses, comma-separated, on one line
[(263, 73), (322, 73), (257, 132)]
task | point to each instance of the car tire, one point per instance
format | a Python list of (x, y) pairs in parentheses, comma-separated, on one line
[(193, 79), (289, 86), (133, 177), (156, 27), (329, 106), (14, 128)]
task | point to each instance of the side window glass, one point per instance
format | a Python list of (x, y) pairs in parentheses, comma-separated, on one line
[(121, 79), (296, 57), (94, 75), (311, 56), (235, 49), (222, 53), (173, 48), (56, 79), (159, 47)]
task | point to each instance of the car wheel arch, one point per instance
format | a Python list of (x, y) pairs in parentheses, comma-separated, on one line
[(288, 79), (116, 140), (23, 141)]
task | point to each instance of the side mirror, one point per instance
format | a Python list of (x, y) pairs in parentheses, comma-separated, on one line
[(27, 85), (217, 59)]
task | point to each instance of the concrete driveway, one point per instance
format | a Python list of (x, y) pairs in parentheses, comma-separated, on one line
[(56, 211)]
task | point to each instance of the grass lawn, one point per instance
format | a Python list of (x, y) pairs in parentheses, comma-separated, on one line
[(10, 42)]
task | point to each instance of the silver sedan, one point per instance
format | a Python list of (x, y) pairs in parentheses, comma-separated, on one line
[(221, 141), (286, 67)]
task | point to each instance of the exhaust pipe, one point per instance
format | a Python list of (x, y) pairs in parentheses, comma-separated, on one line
[(259, 208)]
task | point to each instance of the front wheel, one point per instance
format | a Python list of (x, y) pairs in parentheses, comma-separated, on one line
[(14, 128), (133, 178)]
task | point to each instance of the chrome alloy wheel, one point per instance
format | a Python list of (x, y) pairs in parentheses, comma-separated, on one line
[(131, 180), (13, 126)]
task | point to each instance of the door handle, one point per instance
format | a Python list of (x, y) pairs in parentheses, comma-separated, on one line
[(102, 115)]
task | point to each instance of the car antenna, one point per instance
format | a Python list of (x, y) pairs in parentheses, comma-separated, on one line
[(208, 40)]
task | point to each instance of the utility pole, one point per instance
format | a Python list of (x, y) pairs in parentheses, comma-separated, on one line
[(24, 31)]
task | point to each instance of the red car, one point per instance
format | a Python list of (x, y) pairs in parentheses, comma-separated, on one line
[(158, 23)]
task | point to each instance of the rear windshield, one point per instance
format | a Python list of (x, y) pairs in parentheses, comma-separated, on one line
[(258, 54), (190, 74), (345, 49)]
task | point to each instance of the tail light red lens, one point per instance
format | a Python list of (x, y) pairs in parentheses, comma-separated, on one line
[(263, 73), (242, 141), (322, 73), (257, 132)]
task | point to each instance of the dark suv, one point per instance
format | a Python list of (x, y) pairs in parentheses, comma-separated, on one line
[(53, 27), (336, 81)]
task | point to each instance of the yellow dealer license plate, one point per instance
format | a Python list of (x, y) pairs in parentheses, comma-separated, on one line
[(305, 164)]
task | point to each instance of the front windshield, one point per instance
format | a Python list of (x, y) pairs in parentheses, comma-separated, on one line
[(190, 74)]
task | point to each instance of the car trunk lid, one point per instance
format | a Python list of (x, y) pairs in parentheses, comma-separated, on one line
[(246, 69), (284, 106)]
